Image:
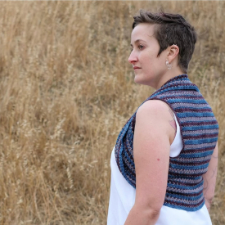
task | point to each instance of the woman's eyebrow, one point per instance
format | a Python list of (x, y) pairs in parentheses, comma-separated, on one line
[(136, 41)]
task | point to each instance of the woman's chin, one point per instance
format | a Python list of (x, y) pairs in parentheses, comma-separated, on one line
[(138, 80)]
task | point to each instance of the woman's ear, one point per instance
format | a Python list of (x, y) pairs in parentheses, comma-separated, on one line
[(173, 52)]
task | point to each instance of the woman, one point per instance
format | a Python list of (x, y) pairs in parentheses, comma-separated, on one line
[(163, 166)]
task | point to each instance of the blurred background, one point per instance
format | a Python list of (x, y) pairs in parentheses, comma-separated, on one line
[(66, 90)]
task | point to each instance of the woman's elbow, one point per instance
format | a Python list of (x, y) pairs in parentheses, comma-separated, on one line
[(152, 212)]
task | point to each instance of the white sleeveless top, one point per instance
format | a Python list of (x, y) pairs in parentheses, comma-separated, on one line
[(122, 197)]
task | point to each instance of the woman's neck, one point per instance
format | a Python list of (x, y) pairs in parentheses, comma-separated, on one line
[(167, 76)]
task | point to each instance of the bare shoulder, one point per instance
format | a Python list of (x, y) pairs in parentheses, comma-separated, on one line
[(157, 115), (154, 108)]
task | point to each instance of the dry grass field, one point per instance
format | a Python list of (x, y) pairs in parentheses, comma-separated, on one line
[(66, 90)]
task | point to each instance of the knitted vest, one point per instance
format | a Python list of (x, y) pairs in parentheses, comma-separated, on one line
[(199, 131)]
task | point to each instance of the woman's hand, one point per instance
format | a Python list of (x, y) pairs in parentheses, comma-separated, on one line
[(153, 135)]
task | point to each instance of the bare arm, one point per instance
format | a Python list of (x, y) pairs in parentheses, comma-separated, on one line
[(152, 135), (210, 179)]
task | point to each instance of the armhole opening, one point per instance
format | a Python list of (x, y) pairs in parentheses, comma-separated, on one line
[(178, 122)]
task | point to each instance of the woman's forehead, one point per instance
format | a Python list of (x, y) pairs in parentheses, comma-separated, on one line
[(142, 32)]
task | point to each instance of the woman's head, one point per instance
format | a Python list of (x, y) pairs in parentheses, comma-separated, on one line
[(171, 29)]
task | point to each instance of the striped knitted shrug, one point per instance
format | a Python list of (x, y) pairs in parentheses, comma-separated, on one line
[(199, 131)]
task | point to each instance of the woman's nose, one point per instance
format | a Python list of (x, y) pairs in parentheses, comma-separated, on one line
[(132, 58)]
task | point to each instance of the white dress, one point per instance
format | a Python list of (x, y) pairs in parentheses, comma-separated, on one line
[(122, 197)]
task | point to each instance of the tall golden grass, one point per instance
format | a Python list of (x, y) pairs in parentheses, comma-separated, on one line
[(66, 90)]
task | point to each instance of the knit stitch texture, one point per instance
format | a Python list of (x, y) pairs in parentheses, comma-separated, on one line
[(199, 131)]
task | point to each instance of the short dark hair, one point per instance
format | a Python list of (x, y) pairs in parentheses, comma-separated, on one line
[(171, 29)]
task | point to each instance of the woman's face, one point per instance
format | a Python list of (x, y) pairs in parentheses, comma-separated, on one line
[(150, 68)]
